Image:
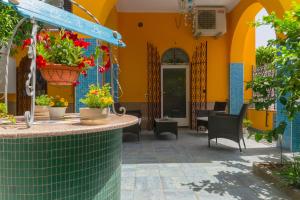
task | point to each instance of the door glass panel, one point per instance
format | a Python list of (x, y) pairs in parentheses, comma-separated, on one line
[(174, 93)]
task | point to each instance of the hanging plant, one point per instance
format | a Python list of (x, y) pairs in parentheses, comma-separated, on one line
[(61, 59), (104, 53)]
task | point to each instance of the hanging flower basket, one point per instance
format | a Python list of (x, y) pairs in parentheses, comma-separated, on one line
[(57, 74)]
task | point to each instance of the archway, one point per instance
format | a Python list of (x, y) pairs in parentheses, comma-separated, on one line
[(242, 56)]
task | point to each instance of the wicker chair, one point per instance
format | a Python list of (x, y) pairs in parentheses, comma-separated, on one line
[(227, 126), (202, 115), (137, 128)]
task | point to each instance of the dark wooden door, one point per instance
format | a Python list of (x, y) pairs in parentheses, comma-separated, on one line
[(24, 101)]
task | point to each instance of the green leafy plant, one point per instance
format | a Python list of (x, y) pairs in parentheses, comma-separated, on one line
[(291, 172), (98, 97), (265, 56), (43, 100), (285, 56), (247, 123), (9, 18), (4, 114), (58, 102)]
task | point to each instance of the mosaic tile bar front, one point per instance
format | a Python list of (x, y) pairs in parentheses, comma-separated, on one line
[(74, 167)]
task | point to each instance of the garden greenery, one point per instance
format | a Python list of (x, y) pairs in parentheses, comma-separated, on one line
[(291, 172), (285, 56), (43, 100), (4, 114), (9, 18)]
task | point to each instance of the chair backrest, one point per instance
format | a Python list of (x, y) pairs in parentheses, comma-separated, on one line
[(243, 111), (220, 106)]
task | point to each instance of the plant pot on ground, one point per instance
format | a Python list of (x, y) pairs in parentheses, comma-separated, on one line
[(97, 101), (42, 103), (58, 108)]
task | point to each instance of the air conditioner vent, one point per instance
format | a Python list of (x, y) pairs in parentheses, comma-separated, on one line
[(207, 19)]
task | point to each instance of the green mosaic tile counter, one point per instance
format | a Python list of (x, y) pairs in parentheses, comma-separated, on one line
[(76, 166)]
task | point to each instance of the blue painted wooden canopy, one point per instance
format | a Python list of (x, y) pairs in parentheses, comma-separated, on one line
[(52, 15)]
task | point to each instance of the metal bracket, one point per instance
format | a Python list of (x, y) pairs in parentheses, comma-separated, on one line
[(31, 81)]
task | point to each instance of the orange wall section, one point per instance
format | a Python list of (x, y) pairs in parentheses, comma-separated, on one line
[(100, 9), (161, 30), (249, 61), (258, 118)]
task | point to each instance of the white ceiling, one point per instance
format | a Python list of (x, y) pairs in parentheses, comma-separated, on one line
[(168, 5)]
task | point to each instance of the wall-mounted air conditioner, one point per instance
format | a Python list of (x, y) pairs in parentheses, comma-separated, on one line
[(209, 21)]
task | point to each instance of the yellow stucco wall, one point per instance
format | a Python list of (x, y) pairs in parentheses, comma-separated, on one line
[(258, 119), (161, 30)]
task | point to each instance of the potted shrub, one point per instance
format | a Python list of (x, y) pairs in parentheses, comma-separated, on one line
[(42, 103), (98, 100), (58, 107), (4, 116), (61, 59)]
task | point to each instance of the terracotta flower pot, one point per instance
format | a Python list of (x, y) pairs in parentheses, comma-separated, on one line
[(94, 116), (57, 74), (57, 112), (41, 113)]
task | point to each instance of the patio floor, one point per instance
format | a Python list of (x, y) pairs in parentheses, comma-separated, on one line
[(187, 169)]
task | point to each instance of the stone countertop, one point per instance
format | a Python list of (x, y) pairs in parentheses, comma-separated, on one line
[(68, 126)]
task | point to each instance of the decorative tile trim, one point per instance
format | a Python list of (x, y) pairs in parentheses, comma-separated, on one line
[(236, 94)]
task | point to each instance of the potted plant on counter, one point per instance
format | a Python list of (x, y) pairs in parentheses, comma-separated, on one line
[(4, 116), (98, 100), (58, 107), (42, 103)]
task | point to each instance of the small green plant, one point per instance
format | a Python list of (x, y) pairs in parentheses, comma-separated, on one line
[(4, 114), (291, 172), (58, 102), (43, 100), (247, 123), (98, 97)]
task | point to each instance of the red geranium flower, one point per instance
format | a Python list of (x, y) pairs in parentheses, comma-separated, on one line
[(89, 61), (102, 69), (84, 73), (75, 83), (70, 35), (81, 43), (40, 62), (26, 43)]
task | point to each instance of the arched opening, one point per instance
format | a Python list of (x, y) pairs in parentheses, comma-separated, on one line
[(175, 56), (175, 81), (243, 52)]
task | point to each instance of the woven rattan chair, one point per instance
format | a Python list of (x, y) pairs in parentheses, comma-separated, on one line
[(227, 126)]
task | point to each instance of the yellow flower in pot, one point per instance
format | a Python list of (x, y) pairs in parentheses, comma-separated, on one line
[(42, 107), (58, 107), (98, 101)]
